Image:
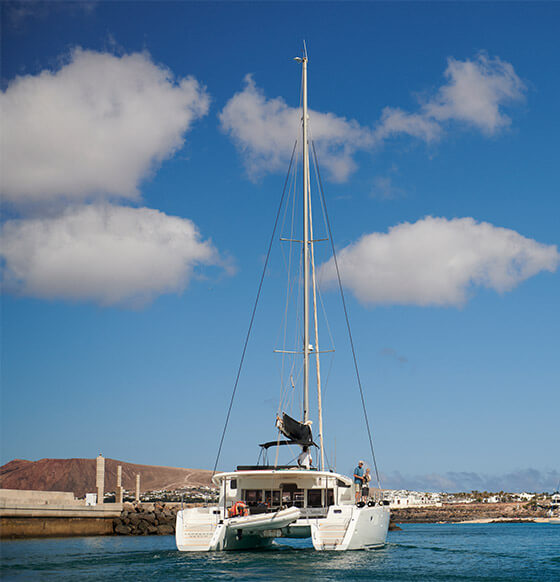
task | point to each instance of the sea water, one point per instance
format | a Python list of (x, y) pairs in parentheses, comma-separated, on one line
[(489, 552)]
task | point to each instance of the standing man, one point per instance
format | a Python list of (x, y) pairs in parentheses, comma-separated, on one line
[(359, 480), (304, 460)]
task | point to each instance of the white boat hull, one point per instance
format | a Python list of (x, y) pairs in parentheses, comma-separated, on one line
[(351, 528), (344, 528)]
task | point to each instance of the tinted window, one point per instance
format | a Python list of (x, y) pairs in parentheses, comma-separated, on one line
[(272, 498), (294, 498), (253, 495), (314, 498)]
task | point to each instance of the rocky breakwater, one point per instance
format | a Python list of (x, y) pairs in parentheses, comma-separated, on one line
[(455, 513), (146, 519)]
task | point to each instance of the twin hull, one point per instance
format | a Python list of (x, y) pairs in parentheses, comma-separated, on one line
[(344, 528)]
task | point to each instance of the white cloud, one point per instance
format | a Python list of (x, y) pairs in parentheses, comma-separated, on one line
[(474, 94), (265, 131), (96, 126), (102, 253), (436, 261), (395, 122)]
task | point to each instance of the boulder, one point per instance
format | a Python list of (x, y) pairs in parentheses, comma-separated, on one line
[(149, 517), (122, 530), (135, 519)]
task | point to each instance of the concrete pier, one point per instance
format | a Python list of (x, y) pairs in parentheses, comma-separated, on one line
[(52, 513)]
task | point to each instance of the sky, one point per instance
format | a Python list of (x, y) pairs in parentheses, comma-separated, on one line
[(144, 152)]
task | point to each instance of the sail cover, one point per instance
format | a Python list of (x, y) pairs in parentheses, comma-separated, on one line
[(296, 431)]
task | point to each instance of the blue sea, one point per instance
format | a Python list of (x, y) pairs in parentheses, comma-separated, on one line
[(489, 552)]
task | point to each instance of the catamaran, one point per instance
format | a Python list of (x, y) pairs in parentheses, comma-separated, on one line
[(261, 503)]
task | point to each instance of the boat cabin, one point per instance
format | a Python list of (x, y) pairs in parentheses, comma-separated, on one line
[(266, 490)]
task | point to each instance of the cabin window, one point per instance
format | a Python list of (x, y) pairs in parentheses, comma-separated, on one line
[(293, 498), (341, 483), (272, 498), (252, 496), (314, 498), (233, 484)]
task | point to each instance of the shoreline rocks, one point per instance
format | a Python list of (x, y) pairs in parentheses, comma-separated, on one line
[(138, 520), (455, 513)]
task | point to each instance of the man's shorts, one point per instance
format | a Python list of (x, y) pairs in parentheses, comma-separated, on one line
[(358, 487)]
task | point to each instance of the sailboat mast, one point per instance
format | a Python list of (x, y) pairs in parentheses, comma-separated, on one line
[(305, 246), (316, 322)]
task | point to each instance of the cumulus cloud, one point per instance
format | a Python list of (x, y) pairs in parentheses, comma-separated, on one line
[(394, 122), (102, 253), (265, 130), (94, 127), (475, 91), (531, 480), (436, 261), (474, 94)]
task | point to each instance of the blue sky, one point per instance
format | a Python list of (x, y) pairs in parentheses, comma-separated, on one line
[(145, 147)]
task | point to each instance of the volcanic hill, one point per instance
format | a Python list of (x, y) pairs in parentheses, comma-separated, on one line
[(78, 476)]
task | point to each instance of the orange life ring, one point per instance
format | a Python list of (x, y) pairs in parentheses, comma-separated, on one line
[(239, 509)]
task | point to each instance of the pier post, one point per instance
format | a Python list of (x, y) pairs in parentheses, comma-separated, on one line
[(119, 485), (100, 478), (138, 487)]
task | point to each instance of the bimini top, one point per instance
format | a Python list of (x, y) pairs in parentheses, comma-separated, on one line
[(282, 473)]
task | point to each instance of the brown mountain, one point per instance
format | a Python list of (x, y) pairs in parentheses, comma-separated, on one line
[(78, 476)]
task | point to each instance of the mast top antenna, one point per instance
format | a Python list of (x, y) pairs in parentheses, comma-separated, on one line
[(304, 57)]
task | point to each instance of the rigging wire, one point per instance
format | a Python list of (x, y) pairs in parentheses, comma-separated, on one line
[(289, 290), (346, 314), (285, 391), (253, 313)]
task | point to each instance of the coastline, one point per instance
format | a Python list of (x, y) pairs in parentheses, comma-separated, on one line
[(470, 513), (510, 520)]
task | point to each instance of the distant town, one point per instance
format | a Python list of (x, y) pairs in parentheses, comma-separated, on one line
[(404, 498), (194, 494), (401, 498)]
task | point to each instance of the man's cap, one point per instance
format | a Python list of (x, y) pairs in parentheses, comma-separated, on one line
[(360, 462)]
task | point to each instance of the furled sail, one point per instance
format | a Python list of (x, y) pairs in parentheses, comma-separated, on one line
[(296, 431)]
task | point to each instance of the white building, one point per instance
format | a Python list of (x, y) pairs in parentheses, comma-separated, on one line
[(405, 498), (525, 496)]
